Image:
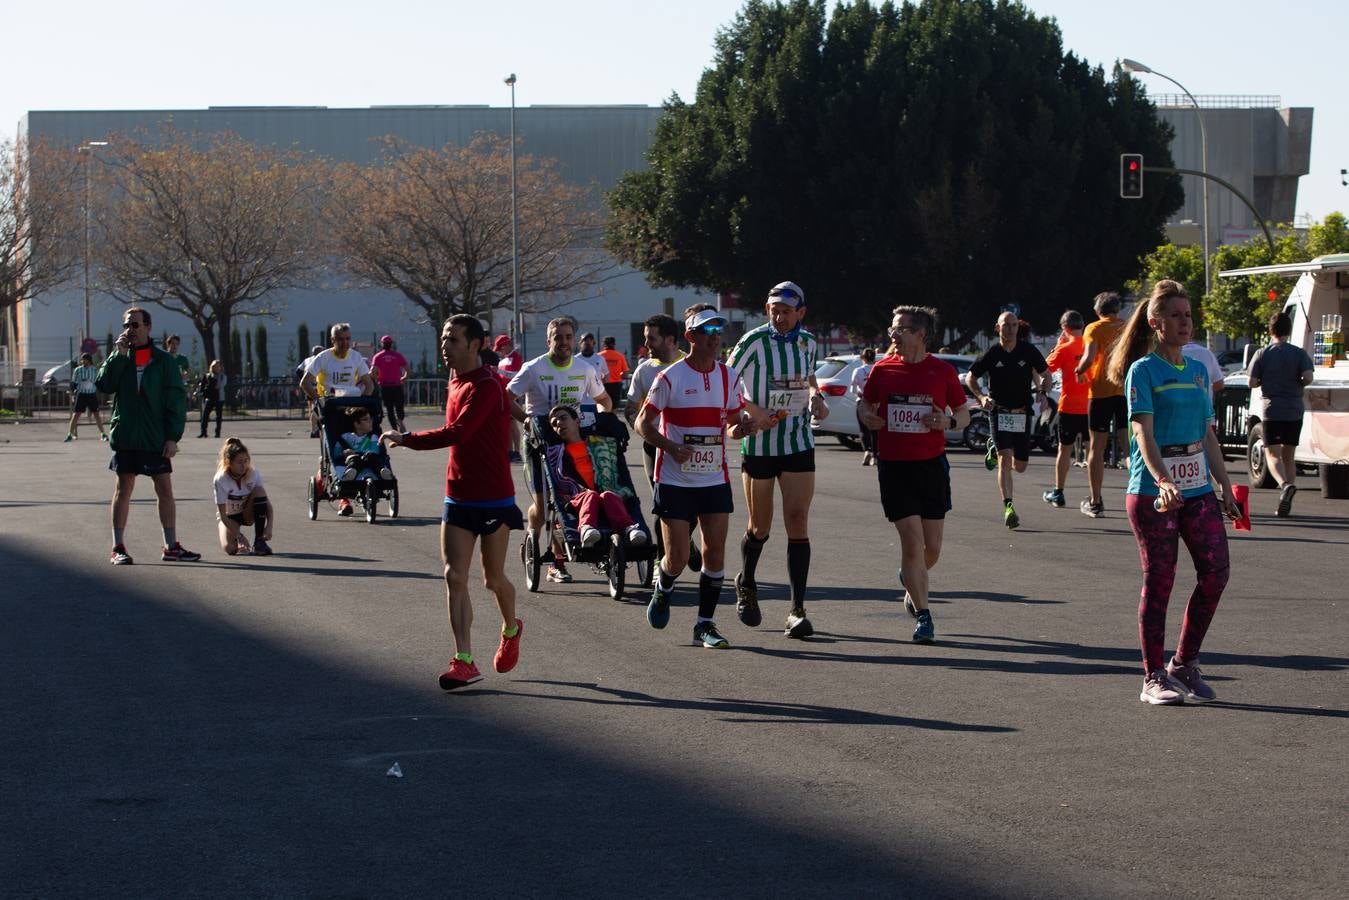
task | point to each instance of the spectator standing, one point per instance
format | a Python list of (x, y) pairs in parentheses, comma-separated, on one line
[(184, 364), (212, 395), (1281, 370), (82, 385), (149, 413)]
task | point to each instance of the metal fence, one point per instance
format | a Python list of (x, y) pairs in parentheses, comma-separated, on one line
[(275, 398)]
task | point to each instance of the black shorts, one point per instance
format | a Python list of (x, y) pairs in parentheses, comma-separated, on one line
[(1282, 433), (773, 466), (259, 512), (1102, 410), (615, 391), (1070, 426), (140, 462), (688, 503), (482, 520), (1016, 441), (86, 402), (915, 488)]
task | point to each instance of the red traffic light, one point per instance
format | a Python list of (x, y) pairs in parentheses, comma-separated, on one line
[(1133, 165), (1131, 176)]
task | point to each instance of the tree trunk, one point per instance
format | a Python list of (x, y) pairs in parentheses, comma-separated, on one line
[(207, 336)]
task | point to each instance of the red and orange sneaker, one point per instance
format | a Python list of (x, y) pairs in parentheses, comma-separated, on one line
[(459, 674), (508, 654), (119, 556), (344, 507)]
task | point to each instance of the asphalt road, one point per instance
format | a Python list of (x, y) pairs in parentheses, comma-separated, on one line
[(224, 728)]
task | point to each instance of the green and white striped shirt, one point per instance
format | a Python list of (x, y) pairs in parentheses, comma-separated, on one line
[(83, 379), (777, 377)]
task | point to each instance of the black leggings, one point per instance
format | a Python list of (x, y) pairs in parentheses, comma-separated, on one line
[(394, 399), (208, 404)]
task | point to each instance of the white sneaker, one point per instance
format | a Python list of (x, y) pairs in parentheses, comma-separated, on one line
[(637, 537), (1160, 690), (590, 537)]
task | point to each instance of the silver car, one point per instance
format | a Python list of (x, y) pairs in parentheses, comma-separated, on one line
[(834, 375)]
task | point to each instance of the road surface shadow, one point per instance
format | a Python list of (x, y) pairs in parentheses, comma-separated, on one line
[(923, 655), (155, 749), (748, 711)]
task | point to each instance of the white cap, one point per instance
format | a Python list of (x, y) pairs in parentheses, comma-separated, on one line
[(704, 316), (789, 293)]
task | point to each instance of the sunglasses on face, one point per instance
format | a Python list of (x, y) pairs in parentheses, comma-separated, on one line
[(710, 329)]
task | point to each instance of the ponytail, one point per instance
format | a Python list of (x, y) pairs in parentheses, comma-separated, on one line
[(230, 449), (1137, 340)]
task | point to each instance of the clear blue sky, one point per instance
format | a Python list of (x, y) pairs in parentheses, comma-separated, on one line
[(152, 54)]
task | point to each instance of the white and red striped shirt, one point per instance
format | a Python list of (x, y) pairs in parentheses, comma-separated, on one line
[(694, 409)]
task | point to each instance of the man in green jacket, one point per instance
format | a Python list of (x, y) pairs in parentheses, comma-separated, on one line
[(149, 413)]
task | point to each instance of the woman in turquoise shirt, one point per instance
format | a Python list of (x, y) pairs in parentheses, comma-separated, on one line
[(1174, 457)]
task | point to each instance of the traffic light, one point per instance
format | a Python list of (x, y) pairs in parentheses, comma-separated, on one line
[(1131, 176)]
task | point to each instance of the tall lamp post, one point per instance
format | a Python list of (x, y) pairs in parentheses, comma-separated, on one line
[(1132, 65), (87, 148), (515, 237)]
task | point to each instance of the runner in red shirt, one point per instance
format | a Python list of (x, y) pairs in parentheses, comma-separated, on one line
[(1073, 394), (910, 399), (479, 494)]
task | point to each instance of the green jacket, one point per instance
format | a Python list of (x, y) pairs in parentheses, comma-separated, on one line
[(144, 417)]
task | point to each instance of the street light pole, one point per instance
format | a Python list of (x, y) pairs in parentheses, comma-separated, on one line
[(87, 148), (1131, 65), (516, 330)]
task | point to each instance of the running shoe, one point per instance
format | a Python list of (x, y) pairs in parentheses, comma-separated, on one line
[(1159, 690), (348, 475), (923, 632), (747, 603), (386, 474), (1054, 497), (908, 604), (508, 653), (706, 633), (1009, 517), (1095, 510), (344, 508), (637, 537), (69, 438), (658, 610), (179, 553), (1285, 501), (313, 433), (120, 557), (459, 674), (558, 575), (103, 437), (590, 536), (798, 626), (991, 456), (1190, 681), (261, 548)]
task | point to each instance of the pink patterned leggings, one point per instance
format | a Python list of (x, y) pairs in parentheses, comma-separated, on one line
[(1200, 524)]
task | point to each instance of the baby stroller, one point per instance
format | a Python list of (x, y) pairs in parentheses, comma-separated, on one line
[(610, 556), (325, 485)]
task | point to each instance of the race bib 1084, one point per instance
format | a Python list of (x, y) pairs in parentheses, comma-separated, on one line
[(904, 412)]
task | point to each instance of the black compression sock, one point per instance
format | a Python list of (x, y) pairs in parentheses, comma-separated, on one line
[(750, 548), (798, 570), (709, 592)]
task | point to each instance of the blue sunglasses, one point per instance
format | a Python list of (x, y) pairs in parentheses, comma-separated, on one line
[(710, 329)]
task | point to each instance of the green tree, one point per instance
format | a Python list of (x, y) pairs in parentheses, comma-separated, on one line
[(949, 152), (263, 368), (1241, 307), (1183, 264)]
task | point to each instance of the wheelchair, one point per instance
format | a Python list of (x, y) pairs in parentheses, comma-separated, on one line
[(610, 556), (324, 484)]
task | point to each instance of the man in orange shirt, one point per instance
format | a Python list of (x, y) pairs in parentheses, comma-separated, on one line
[(1107, 410), (618, 367), (1072, 421)]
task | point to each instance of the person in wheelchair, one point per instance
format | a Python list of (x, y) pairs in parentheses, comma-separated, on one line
[(358, 454), (589, 468)]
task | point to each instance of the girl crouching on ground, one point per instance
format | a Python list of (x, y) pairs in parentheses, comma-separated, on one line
[(241, 500)]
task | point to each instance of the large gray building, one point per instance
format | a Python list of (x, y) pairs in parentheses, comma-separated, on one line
[(1259, 147)]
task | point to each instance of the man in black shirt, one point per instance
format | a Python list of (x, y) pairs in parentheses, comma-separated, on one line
[(1013, 367)]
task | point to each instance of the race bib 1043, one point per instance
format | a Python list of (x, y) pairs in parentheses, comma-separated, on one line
[(708, 454), (1186, 465), (904, 412)]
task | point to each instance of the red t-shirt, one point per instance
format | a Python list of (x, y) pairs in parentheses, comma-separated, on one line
[(901, 393), (1067, 354), (477, 430)]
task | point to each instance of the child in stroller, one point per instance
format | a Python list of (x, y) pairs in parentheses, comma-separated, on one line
[(362, 456), (589, 481)]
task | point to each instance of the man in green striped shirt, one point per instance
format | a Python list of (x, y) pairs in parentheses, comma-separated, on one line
[(776, 361)]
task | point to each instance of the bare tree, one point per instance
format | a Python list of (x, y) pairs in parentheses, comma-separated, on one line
[(40, 221), (210, 227), (435, 225)]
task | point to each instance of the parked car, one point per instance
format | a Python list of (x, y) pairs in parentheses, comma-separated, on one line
[(834, 376)]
